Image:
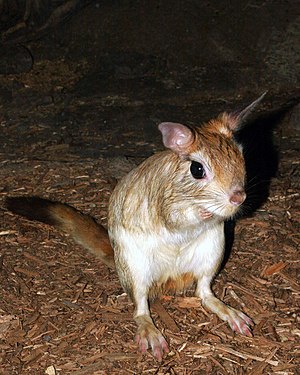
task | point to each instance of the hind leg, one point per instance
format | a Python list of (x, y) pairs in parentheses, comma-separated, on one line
[(238, 321), (136, 278), (147, 334), (209, 255)]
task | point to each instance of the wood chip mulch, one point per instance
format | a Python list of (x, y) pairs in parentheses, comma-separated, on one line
[(63, 312)]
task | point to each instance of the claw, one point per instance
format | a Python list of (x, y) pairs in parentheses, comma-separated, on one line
[(164, 345), (142, 343)]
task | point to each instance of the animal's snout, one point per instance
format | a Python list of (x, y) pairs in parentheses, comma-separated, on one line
[(237, 197)]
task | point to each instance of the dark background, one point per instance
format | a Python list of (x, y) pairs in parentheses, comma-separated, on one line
[(85, 79)]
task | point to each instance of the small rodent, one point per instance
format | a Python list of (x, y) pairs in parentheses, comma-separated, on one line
[(166, 220)]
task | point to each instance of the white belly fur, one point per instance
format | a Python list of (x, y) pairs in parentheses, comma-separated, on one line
[(152, 258)]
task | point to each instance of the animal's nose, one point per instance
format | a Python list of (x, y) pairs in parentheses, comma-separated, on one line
[(237, 197)]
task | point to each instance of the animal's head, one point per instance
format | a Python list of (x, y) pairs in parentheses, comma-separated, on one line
[(211, 169)]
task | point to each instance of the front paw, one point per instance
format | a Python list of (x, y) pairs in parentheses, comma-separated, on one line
[(148, 335)]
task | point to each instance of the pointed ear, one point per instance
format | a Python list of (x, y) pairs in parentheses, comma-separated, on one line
[(237, 119), (176, 137)]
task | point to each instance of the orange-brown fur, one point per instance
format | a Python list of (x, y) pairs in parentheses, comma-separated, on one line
[(172, 285), (86, 231), (82, 228)]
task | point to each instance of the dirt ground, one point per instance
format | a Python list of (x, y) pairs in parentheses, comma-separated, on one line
[(68, 133)]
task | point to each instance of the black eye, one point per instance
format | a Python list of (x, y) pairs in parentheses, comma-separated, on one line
[(197, 170)]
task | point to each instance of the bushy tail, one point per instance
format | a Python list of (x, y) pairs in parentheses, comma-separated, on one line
[(82, 228)]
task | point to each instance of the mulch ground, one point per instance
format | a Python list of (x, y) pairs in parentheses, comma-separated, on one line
[(63, 312)]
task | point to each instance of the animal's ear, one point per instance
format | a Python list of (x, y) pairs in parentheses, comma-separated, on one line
[(176, 137), (237, 119)]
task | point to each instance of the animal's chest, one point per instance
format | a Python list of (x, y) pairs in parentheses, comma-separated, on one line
[(173, 270), (189, 255), (176, 258), (164, 260)]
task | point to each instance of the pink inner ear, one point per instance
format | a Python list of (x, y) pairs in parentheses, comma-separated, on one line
[(176, 137)]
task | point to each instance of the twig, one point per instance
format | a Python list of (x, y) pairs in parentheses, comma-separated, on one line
[(26, 272), (6, 232), (245, 355), (165, 316)]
